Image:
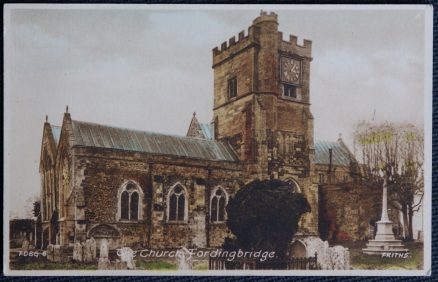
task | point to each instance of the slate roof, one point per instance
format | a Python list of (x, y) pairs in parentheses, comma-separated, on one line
[(56, 131), (103, 136), (340, 153)]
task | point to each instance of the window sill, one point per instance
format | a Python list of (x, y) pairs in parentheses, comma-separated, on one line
[(218, 223), (291, 98), (176, 222), (130, 221)]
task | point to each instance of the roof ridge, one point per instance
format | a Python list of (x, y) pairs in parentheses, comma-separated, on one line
[(326, 141), (141, 131)]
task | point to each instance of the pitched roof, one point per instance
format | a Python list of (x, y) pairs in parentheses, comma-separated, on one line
[(56, 131), (207, 130), (103, 136), (340, 153)]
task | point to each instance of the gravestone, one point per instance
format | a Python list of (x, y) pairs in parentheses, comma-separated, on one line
[(93, 246), (88, 252), (329, 258), (57, 256), (25, 245), (104, 263), (103, 249), (127, 255), (50, 252), (77, 252)]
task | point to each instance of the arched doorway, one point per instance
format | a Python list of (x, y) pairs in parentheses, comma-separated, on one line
[(298, 249)]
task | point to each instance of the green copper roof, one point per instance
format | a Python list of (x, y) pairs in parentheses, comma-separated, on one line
[(103, 136), (340, 153), (207, 130)]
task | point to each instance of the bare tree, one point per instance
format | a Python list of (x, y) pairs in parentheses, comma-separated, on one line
[(398, 151)]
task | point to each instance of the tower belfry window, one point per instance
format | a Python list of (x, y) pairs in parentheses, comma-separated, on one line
[(290, 91), (232, 87)]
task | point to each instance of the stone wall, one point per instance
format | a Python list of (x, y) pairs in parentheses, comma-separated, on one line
[(105, 172), (346, 209)]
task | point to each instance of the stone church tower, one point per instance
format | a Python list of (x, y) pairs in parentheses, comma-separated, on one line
[(261, 107)]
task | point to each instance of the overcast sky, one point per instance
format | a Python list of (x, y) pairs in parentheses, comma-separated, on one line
[(151, 69)]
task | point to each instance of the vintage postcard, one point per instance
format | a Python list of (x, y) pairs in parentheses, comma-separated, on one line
[(217, 140)]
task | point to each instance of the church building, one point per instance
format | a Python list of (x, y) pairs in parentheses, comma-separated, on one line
[(138, 188)]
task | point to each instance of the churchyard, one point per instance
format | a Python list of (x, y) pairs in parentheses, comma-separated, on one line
[(357, 260), (414, 259)]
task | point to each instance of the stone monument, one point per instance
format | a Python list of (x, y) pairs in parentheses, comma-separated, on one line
[(88, 252), (104, 262), (77, 251), (25, 245), (385, 241), (93, 246)]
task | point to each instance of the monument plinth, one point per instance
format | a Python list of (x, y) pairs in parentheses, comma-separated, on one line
[(384, 241)]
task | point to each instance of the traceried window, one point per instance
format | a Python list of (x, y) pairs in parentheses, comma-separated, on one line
[(218, 203), (232, 87), (177, 204), (130, 203)]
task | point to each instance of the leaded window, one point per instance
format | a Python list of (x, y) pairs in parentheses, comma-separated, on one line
[(217, 206), (130, 203), (177, 204)]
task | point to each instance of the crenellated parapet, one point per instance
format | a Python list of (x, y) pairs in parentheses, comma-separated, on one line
[(292, 46), (266, 17), (233, 46), (252, 38), (264, 25)]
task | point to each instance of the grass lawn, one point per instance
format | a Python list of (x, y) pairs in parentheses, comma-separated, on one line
[(155, 265), (376, 262)]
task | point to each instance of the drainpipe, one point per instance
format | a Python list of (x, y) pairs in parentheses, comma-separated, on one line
[(207, 212), (330, 160), (149, 220)]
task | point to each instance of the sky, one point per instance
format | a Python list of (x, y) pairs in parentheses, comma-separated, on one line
[(150, 69)]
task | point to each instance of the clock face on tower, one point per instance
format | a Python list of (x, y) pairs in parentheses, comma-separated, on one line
[(290, 70)]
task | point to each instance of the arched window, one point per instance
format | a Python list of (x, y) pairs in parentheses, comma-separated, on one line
[(294, 185), (218, 202), (177, 204), (129, 207)]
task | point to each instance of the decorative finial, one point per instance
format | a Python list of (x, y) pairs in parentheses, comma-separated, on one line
[(47, 118), (194, 114), (66, 109)]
